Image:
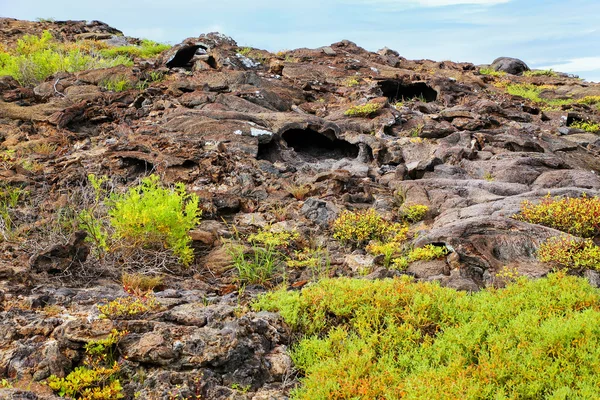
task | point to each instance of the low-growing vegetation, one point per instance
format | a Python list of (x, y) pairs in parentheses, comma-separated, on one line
[(396, 339), (150, 215), (540, 72), (36, 58), (129, 307), (365, 110), (426, 253), (415, 212), (491, 72), (575, 215), (358, 228), (586, 126), (567, 251), (146, 49), (98, 378), (533, 93), (265, 256)]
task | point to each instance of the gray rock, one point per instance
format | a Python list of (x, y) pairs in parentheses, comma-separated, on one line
[(512, 66), (320, 212)]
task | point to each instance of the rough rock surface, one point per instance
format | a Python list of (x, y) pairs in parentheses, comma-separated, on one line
[(244, 131)]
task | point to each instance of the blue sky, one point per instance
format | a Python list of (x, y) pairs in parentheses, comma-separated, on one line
[(559, 34)]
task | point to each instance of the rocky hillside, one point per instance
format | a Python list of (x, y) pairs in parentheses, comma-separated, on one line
[(305, 164)]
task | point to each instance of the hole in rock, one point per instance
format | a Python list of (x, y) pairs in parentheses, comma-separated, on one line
[(396, 91), (313, 145), (212, 62), (136, 166), (183, 56)]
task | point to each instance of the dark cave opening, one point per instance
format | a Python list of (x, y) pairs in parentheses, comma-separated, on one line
[(319, 146), (183, 56), (396, 90)]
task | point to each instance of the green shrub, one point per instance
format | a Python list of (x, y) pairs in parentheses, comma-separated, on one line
[(415, 212), (129, 307), (357, 228), (540, 72), (147, 49), (533, 92), (365, 110), (150, 215), (426, 253), (265, 257), (589, 100), (577, 216), (491, 72), (36, 58), (388, 250), (117, 83), (586, 126), (98, 378), (570, 252), (392, 339)]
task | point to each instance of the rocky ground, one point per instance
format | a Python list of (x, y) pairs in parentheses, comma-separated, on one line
[(246, 130)]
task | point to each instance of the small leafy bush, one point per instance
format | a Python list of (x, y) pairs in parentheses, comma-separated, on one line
[(137, 284), (540, 72), (577, 216), (365, 110), (357, 228), (570, 252), (146, 49), (98, 378), (491, 72), (129, 307), (426, 253), (150, 215), (533, 92), (388, 250), (266, 255), (36, 58), (589, 100), (415, 212), (586, 126), (394, 338), (351, 82), (116, 84)]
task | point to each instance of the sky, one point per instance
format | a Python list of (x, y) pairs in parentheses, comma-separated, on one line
[(560, 34)]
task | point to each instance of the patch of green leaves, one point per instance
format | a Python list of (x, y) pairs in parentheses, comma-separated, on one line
[(397, 339)]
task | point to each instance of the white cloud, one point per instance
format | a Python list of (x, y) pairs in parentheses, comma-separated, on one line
[(576, 65)]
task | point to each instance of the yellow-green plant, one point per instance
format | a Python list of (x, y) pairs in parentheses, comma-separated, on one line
[(533, 92), (36, 58), (129, 307), (388, 250), (265, 256), (359, 227), (570, 252), (586, 126), (415, 212), (98, 378), (491, 72), (589, 100), (146, 49), (151, 215), (117, 83), (399, 339), (316, 260), (540, 72), (575, 215), (426, 253), (351, 82), (365, 110)]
